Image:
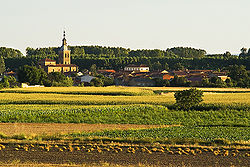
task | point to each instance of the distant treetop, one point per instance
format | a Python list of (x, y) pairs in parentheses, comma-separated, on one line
[(6, 53)]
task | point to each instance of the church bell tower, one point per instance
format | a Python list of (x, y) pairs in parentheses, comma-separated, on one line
[(64, 53)]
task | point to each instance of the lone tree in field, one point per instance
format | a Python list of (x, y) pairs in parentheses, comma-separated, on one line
[(187, 98)]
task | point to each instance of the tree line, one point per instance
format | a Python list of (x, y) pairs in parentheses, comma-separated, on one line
[(117, 58)]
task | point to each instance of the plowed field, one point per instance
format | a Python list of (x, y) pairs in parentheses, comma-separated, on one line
[(122, 155)]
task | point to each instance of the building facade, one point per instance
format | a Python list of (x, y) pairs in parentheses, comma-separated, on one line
[(137, 68), (64, 60)]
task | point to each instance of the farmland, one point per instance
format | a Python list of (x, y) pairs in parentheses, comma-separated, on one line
[(127, 117)]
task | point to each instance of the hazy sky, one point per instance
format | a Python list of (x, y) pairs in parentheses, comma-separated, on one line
[(214, 25)]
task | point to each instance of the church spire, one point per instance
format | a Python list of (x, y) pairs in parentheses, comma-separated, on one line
[(64, 53), (64, 39)]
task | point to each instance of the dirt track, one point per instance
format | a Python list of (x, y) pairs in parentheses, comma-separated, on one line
[(54, 156), (52, 128)]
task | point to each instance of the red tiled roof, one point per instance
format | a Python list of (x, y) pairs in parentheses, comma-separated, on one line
[(46, 59), (167, 77), (11, 72), (113, 71)]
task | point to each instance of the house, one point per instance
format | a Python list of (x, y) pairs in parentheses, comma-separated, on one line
[(196, 79), (86, 78), (107, 73), (164, 75), (137, 68), (222, 75), (200, 71), (64, 65), (180, 73), (24, 85)]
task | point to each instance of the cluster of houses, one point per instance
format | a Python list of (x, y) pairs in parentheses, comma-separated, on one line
[(131, 75), (140, 75)]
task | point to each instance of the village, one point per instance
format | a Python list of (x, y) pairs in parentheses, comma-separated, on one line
[(140, 75), (132, 75)]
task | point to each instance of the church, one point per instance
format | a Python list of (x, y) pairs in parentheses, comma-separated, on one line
[(64, 61)]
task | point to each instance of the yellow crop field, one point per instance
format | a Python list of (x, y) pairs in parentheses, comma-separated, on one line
[(83, 99), (168, 98), (112, 90), (203, 89), (79, 89)]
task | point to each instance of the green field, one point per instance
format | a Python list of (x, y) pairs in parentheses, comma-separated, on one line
[(179, 133), (224, 114)]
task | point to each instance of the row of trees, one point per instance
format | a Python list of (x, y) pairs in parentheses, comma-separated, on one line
[(154, 63), (111, 52), (116, 58)]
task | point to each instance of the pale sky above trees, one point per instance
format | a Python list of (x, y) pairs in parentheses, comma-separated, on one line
[(215, 25)]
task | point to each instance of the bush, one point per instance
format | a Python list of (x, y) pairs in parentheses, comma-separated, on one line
[(187, 98), (96, 82)]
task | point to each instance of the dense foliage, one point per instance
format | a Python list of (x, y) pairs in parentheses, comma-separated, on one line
[(187, 98), (8, 82), (58, 79), (2, 65), (239, 76), (32, 75), (188, 52), (9, 53), (245, 54)]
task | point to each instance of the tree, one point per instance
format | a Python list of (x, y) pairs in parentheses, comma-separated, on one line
[(179, 66), (2, 65), (93, 69), (157, 66), (243, 53), (229, 83), (56, 77), (5, 82), (166, 66), (205, 82), (96, 82), (12, 82), (59, 79), (108, 81), (161, 83), (179, 81), (10, 53), (31, 75), (227, 55), (239, 75), (187, 98)]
